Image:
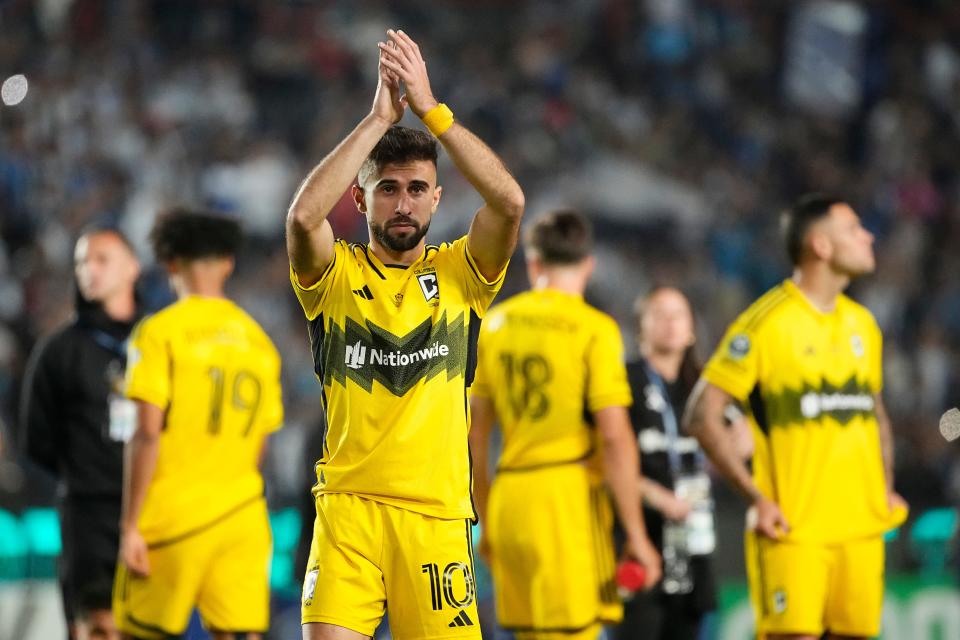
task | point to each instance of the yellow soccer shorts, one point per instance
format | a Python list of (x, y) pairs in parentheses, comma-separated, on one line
[(367, 555), (804, 588), (552, 556), (223, 570)]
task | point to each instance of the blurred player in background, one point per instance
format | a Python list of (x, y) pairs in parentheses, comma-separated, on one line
[(393, 325), (206, 380), (678, 501), (807, 359), (74, 417), (551, 374)]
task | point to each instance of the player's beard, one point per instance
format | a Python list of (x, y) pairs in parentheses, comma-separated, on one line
[(395, 243)]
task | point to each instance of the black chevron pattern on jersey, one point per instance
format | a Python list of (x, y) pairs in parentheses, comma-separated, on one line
[(396, 362), (842, 402)]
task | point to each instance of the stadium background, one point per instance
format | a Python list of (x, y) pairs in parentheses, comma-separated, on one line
[(679, 126)]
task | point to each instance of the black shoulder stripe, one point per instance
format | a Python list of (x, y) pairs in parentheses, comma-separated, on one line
[(366, 254)]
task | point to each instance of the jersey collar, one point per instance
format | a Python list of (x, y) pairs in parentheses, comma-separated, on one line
[(793, 290), (387, 270)]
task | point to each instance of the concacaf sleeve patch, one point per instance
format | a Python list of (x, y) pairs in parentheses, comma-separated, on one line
[(739, 346)]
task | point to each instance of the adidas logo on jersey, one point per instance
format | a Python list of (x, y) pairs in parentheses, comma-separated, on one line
[(462, 620), (364, 292)]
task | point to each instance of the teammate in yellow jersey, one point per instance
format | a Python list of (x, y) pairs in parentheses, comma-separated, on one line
[(551, 373), (393, 326), (806, 359), (206, 380)]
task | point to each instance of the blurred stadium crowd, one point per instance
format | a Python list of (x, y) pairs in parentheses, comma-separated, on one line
[(679, 126)]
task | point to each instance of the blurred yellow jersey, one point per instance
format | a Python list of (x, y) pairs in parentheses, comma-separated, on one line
[(395, 349), (217, 375), (548, 360), (810, 379)]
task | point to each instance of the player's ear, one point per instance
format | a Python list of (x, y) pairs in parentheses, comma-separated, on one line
[(437, 192), (534, 268), (819, 244), (589, 264), (359, 198), (133, 269)]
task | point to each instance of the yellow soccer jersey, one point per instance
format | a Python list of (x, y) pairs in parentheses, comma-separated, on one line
[(810, 379), (547, 360), (217, 375), (395, 349)]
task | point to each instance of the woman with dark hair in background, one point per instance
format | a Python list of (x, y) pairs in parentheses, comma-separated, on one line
[(678, 504)]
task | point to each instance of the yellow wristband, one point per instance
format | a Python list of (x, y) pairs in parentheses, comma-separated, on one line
[(438, 119)]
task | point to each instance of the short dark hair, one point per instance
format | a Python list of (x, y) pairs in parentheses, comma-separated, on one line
[(98, 229), (93, 596), (560, 237), (190, 235), (796, 220), (398, 145)]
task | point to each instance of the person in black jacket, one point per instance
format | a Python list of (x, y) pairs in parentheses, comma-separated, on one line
[(678, 504), (74, 419)]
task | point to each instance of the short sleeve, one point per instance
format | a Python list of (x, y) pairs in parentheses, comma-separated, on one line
[(148, 365), (734, 366), (479, 291), (314, 297), (607, 384)]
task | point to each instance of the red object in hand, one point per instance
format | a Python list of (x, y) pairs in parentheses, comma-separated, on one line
[(631, 575)]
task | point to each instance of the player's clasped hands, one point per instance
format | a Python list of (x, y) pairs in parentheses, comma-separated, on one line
[(401, 56)]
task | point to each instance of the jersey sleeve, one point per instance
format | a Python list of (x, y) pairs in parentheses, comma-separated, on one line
[(607, 384), (314, 297), (734, 366), (148, 365), (479, 291)]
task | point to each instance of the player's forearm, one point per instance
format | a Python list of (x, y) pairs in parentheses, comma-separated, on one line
[(481, 424), (885, 431), (621, 475), (141, 460), (481, 487), (485, 171), (622, 469), (703, 419), (326, 183)]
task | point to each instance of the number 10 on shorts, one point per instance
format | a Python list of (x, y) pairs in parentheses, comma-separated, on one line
[(443, 590)]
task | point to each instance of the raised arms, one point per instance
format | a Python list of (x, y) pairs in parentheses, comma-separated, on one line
[(309, 236), (493, 233)]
